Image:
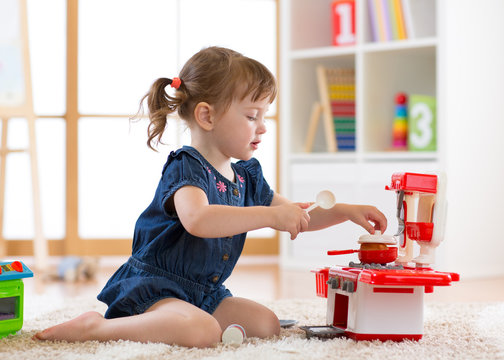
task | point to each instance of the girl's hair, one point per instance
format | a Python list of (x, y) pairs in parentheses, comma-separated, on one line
[(214, 75)]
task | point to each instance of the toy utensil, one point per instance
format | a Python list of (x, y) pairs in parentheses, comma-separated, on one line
[(400, 213), (325, 199), (234, 335), (287, 323)]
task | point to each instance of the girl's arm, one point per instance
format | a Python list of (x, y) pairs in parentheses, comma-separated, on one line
[(212, 221), (362, 215), (369, 217)]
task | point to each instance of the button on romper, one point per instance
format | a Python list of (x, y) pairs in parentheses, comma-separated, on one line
[(166, 260)]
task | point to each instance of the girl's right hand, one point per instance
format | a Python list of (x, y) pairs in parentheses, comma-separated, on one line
[(291, 217)]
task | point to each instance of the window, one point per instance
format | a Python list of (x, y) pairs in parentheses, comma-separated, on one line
[(92, 144)]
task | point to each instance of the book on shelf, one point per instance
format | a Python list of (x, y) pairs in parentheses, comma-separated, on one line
[(401, 19)]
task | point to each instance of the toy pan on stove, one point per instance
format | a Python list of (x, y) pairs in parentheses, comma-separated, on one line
[(381, 297)]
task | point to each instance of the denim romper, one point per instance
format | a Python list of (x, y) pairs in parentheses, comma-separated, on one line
[(166, 260)]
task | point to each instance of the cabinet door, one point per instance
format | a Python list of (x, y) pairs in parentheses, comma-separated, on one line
[(306, 182)]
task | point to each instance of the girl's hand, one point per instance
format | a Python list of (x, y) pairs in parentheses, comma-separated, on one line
[(364, 215), (291, 217)]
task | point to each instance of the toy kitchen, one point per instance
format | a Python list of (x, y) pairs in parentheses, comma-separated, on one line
[(381, 297)]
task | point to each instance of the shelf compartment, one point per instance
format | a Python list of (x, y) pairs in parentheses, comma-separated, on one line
[(385, 73), (304, 93)]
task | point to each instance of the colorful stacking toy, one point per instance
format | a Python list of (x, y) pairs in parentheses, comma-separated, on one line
[(400, 128)]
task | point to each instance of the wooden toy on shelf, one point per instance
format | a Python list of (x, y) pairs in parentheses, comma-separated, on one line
[(337, 106)]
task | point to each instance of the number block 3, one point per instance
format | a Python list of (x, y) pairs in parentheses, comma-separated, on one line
[(422, 123)]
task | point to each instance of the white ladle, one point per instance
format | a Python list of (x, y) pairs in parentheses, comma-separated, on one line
[(325, 199)]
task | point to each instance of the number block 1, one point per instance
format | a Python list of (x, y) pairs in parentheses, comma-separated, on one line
[(422, 123), (343, 19)]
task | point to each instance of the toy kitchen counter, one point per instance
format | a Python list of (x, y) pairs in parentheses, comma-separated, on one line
[(378, 302), (381, 298)]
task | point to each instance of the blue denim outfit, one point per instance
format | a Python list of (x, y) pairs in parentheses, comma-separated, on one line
[(166, 260)]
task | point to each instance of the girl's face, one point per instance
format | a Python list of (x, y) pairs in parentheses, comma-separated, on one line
[(239, 130)]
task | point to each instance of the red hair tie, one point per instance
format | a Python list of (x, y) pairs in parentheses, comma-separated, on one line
[(175, 83)]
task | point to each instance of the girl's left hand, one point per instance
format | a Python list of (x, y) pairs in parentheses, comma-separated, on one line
[(364, 215)]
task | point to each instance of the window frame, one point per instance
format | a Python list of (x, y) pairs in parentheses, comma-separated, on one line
[(73, 243)]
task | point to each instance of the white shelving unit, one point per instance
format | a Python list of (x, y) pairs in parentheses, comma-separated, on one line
[(382, 69)]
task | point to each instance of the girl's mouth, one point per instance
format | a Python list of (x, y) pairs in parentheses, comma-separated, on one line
[(255, 144)]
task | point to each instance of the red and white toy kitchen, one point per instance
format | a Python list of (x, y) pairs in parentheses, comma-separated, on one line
[(381, 297)]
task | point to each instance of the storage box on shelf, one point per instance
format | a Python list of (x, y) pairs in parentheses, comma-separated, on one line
[(382, 69)]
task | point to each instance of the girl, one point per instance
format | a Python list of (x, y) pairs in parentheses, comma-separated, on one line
[(187, 242)]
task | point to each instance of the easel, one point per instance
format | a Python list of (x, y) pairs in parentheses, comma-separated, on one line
[(322, 107), (21, 105)]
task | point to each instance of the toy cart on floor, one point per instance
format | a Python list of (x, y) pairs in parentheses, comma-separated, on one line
[(12, 296)]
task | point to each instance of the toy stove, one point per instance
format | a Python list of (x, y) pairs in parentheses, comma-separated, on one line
[(381, 298)]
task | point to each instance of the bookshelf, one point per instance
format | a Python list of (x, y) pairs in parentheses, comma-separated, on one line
[(382, 69)]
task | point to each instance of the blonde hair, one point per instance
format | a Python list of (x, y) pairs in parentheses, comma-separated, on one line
[(214, 75)]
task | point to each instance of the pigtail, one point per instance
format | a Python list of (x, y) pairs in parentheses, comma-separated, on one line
[(160, 105)]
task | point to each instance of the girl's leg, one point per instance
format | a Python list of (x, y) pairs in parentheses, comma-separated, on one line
[(170, 321), (256, 319)]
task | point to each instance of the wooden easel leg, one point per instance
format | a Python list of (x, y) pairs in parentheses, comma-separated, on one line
[(312, 126), (40, 249), (3, 157)]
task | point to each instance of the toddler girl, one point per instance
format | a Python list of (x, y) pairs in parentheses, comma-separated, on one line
[(188, 240)]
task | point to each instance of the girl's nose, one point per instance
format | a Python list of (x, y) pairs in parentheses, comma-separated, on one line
[(261, 129)]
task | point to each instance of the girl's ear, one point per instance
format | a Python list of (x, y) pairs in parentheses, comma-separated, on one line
[(204, 116)]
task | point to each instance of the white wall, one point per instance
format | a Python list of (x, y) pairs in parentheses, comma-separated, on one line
[(474, 134)]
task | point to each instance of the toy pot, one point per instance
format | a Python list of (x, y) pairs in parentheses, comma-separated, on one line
[(370, 256)]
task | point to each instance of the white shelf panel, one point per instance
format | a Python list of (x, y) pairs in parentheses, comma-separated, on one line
[(375, 156), (400, 156), (334, 51), (323, 157), (400, 44), (322, 52)]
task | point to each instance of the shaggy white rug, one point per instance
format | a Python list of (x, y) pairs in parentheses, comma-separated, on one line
[(452, 331)]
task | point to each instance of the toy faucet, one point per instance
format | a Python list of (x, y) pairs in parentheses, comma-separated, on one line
[(421, 215)]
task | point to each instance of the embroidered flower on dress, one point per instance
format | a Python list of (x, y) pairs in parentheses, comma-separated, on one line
[(241, 179), (221, 186), (208, 169)]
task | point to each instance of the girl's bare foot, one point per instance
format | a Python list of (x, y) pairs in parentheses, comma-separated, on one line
[(78, 329)]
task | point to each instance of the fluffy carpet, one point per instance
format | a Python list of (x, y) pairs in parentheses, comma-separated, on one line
[(452, 331)]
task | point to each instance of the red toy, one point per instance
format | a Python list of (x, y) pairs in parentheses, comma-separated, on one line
[(381, 298)]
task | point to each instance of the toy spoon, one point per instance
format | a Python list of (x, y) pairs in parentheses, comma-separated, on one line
[(325, 199)]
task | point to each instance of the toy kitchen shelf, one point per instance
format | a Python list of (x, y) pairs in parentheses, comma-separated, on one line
[(382, 69)]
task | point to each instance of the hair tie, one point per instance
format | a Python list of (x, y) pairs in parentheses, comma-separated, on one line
[(175, 83)]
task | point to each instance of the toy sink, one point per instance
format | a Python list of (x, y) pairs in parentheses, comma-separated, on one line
[(12, 296)]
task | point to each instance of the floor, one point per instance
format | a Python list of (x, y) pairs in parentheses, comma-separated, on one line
[(256, 278)]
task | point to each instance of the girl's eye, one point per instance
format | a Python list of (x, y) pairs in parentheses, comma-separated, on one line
[(252, 118)]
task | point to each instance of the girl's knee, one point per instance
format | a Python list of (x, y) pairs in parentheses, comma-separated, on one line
[(268, 325), (205, 334)]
